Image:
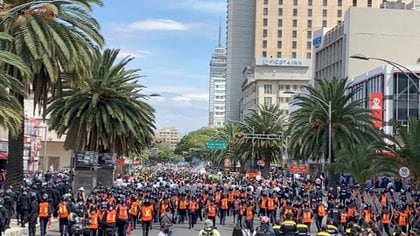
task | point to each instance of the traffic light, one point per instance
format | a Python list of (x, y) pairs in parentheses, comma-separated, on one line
[(158, 141), (239, 135), (284, 165)]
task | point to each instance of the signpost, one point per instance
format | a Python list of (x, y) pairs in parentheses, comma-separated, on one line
[(216, 145), (299, 168), (404, 172)]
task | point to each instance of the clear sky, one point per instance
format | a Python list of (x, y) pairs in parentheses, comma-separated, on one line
[(172, 42)]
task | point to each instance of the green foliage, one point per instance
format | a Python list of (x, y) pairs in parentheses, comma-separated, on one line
[(163, 153), (195, 139), (108, 113), (408, 151), (309, 124), (365, 162)]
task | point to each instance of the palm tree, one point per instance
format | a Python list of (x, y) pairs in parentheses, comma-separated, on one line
[(309, 125), (108, 114), (364, 162), (236, 150), (269, 121), (408, 148), (11, 111), (55, 39)]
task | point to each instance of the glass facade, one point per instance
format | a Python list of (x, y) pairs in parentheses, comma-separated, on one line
[(363, 89), (406, 99)]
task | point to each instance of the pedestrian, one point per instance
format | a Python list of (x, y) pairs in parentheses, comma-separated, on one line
[(33, 216), (146, 216), (45, 212), (3, 214), (122, 218), (63, 212), (208, 229)]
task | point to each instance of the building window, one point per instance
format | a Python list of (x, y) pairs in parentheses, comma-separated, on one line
[(287, 87), (267, 101), (265, 32), (339, 22), (324, 12), (280, 2), (295, 22), (281, 87), (369, 4), (279, 33), (280, 22), (295, 11), (294, 44), (309, 2), (340, 3), (354, 3), (280, 11), (265, 22), (309, 34), (279, 44), (295, 87), (310, 12), (293, 55), (294, 33), (308, 55), (278, 54), (264, 43), (268, 89), (309, 23), (265, 11), (281, 100), (324, 23), (339, 13), (264, 54), (265, 1), (295, 2), (308, 45), (324, 3)]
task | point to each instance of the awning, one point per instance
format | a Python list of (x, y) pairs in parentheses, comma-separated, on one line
[(3, 156)]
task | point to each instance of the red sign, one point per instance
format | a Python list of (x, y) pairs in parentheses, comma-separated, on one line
[(299, 168), (120, 162), (3, 156), (376, 106)]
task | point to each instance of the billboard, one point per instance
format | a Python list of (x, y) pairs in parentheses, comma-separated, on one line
[(376, 106)]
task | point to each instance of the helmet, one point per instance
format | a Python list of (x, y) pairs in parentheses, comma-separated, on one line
[(44, 196), (265, 220)]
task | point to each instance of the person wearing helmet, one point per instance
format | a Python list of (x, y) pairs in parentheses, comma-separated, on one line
[(323, 231), (44, 213), (264, 229), (110, 220), (288, 227), (81, 195), (3, 214), (146, 214), (63, 212), (134, 212)]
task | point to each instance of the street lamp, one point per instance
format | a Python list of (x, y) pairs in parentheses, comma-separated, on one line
[(400, 68), (252, 140)]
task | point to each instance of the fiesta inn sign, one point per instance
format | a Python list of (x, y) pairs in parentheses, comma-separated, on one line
[(282, 62)]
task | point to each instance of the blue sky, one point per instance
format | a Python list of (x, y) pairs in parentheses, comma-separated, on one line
[(172, 42)]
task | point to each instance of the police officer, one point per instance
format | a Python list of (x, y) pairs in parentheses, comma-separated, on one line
[(9, 203), (33, 215), (146, 216), (288, 227), (44, 213), (323, 231), (63, 212), (24, 207), (3, 214), (122, 218)]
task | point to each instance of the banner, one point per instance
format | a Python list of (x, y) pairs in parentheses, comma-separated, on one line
[(376, 106)]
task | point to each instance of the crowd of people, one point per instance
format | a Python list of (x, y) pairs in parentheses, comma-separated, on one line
[(284, 204)]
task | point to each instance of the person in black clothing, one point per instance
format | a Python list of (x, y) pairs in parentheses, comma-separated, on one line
[(33, 215), (24, 207)]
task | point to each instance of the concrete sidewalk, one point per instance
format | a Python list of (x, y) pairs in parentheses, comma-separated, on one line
[(16, 230)]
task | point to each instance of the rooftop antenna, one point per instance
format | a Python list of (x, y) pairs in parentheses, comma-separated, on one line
[(220, 33)]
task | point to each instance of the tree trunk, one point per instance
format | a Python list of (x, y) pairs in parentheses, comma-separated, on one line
[(15, 158), (265, 171)]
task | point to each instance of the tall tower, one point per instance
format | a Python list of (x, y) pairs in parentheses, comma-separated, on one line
[(217, 85)]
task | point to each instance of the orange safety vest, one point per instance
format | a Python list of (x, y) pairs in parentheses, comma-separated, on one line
[(182, 204), (385, 218), (43, 209), (224, 204), (343, 217), (163, 208), (122, 213), (351, 211), (383, 200), (93, 221), (402, 219), (146, 213), (63, 211), (270, 204), (134, 209), (211, 211), (263, 203), (193, 206), (287, 211), (321, 210), (368, 215), (249, 215), (231, 196), (307, 217), (218, 196), (111, 217)]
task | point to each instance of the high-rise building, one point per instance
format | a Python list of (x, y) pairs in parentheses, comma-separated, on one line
[(278, 30), (217, 85), (169, 136)]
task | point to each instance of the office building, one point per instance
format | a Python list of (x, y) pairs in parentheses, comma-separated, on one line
[(217, 86), (384, 33), (275, 29), (169, 136)]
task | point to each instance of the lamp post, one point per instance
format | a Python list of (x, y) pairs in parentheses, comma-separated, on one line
[(401, 68)]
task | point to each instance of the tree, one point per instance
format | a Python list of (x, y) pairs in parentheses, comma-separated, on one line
[(163, 153), (408, 148), (268, 120), (194, 140), (364, 162), (309, 125), (11, 110), (55, 39), (108, 114)]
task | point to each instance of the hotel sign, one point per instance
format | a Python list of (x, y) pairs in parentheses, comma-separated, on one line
[(282, 62)]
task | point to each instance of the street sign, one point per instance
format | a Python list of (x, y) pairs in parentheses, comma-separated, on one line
[(216, 145), (404, 172), (299, 168)]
